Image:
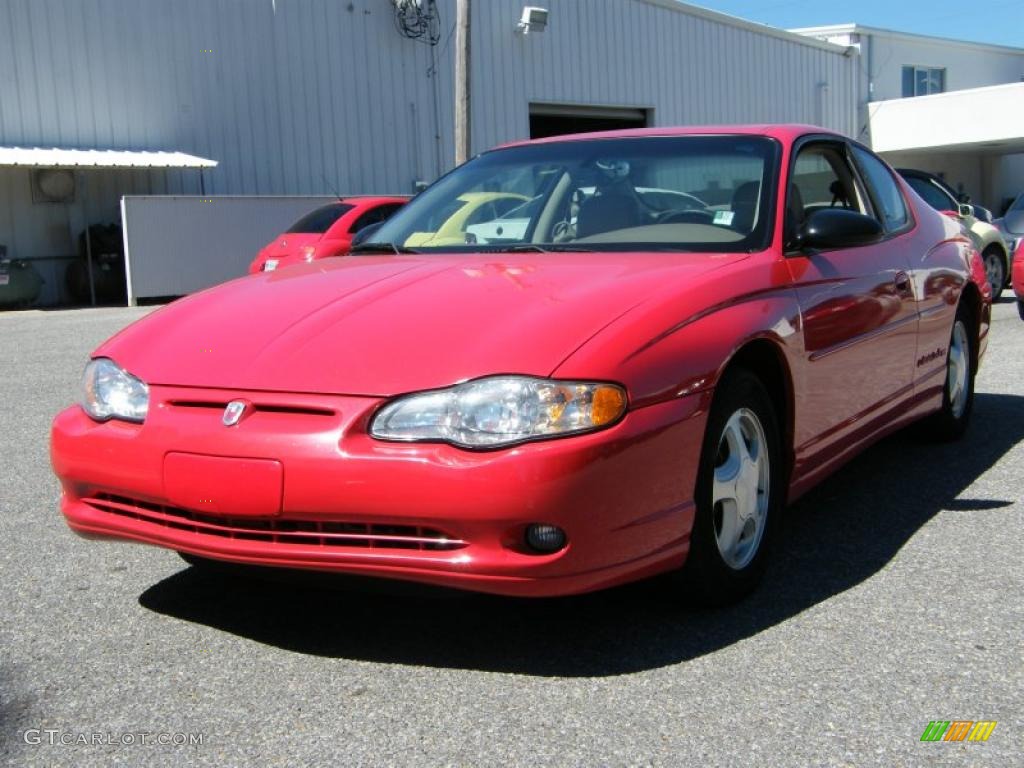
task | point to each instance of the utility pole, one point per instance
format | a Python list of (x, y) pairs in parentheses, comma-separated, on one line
[(462, 123)]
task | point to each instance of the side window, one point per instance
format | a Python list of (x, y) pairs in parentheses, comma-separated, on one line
[(364, 220), (886, 191), (931, 194), (921, 81), (821, 178), (373, 216)]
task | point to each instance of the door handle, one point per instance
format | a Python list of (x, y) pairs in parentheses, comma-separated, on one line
[(902, 281)]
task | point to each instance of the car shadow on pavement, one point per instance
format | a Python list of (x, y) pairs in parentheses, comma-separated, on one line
[(837, 536)]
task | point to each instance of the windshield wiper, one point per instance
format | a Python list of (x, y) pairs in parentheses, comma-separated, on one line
[(382, 248), (518, 248), (533, 248)]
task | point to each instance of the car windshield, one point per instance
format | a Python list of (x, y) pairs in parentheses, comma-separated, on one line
[(319, 221), (688, 193), (1018, 204)]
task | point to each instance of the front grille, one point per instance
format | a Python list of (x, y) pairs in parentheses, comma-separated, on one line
[(261, 407), (280, 531)]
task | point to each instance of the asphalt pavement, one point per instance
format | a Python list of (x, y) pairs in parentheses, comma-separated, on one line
[(894, 599)]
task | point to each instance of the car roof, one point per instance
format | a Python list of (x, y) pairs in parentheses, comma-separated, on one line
[(927, 176), (782, 131), (365, 200), (915, 172)]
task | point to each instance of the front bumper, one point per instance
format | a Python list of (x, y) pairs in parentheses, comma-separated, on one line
[(422, 512)]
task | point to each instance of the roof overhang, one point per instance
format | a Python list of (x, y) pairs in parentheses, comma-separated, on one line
[(751, 26), (839, 30), (987, 120), (47, 157)]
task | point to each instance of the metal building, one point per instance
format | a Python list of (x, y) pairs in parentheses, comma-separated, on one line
[(307, 97), (953, 107)]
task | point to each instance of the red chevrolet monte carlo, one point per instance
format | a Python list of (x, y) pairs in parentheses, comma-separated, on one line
[(324, 231), (624, 385)]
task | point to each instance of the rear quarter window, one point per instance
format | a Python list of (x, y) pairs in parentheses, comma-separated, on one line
[(320, 220)]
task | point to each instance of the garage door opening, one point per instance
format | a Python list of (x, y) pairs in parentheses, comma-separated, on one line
[(560, 119)]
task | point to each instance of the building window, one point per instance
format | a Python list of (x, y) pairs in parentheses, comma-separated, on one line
[(920, 81)]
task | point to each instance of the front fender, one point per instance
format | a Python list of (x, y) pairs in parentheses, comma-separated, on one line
[(988, 236), (682, 342)]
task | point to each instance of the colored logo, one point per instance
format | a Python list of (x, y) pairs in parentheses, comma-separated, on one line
[(234, 412), (958, 730)]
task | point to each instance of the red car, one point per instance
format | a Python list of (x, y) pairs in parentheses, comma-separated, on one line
[(614, 390), (1018, 277), (326, 231)]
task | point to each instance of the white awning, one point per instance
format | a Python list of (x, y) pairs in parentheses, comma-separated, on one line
[(989, 119), (47, 157)]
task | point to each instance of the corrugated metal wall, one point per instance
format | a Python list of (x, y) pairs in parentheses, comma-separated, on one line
[(283, 99), (689, 69), (286, 93), (302, 96)]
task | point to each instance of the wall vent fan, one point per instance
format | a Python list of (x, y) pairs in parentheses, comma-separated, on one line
[(53, 185)]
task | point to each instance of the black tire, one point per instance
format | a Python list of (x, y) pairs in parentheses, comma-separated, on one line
[(1020, 308), (950, 422), (707, 579), (995, 270)]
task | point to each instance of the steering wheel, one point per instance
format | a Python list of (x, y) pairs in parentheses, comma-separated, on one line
[(677, 216)]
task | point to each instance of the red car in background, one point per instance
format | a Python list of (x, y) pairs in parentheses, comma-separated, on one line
[(619, 386), (326, 231), (1018, 277)]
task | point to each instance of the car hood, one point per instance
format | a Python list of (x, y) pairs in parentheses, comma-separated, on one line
[(369, 325)]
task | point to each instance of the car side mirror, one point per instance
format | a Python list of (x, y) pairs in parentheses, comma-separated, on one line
[(966, 210), (364, 234), (837, 228)]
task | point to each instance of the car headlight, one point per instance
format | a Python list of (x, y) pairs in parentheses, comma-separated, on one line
[(113, 393), (500, 410)]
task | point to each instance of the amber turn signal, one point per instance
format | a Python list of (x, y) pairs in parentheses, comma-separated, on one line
[(608, 405)]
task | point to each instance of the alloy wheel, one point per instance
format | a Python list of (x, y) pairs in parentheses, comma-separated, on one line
[(740, 488), (994, 272), (958, 369)]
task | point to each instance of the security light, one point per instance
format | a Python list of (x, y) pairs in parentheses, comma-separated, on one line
[(533, 19)]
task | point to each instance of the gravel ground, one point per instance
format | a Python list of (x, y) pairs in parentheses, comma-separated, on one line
[(894, 599)]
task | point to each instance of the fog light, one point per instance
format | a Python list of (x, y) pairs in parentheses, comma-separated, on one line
[(545, 538)]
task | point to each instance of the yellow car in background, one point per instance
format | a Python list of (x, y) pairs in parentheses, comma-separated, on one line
[(448, 227)]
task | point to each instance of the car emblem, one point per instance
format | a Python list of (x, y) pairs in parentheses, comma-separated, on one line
[(234, 412)]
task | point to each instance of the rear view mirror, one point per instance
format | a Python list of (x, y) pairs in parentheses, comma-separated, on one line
[(837, 228)]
